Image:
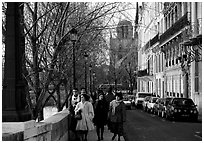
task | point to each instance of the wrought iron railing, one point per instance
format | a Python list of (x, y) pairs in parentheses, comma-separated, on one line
[(178, 25)]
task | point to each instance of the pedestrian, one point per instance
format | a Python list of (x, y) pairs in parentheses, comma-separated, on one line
[(86, 123), (109, 96), (83, 91), (117, 115), (75, 97), (73, 100), (72, 121), (101, 111)]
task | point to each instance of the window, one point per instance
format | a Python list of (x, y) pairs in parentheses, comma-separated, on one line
[(196, 73), (123, 31), (126, 32), (176, 14)]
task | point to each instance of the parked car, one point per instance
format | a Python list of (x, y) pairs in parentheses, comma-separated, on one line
[(128, 103), (140, 98), (181, 108), (150, 104), (131, 98), (144, 103), (162, 106)]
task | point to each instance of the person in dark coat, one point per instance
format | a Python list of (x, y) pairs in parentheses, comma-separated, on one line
[(109, 96), (101, 112), (72, 122), (117, 115)]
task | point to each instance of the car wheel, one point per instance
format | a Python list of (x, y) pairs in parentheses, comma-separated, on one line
[(195, 119), (166, 116), (145, 108), (156, 112), (169, 117)]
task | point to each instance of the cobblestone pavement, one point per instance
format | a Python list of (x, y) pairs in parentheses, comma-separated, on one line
[(92, 136)]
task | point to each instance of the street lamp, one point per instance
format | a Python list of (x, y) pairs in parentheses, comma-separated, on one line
[(94, 76), (90, 68), (73, 37), (85, 75)]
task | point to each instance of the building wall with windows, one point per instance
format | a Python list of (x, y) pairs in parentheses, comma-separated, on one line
[(196, 65), (148, 31), (177, 65)]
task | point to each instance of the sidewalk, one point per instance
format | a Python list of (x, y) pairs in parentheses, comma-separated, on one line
[(92, 136)]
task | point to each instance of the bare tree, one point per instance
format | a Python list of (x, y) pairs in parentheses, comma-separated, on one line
[(48, 50)]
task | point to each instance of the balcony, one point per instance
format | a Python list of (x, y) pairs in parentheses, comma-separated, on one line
[(154, 40), (193, 34), (145, 75), (151, 42), (142, 73), (177, 26)]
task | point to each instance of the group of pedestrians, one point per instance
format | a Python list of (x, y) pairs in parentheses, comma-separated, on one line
[(108, 109)]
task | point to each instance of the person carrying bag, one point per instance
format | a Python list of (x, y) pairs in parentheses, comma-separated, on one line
[(85, 124)]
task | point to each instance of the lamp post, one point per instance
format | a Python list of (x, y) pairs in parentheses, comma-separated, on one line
[(90, 68), (73, 37), (94, 76), (85, 75)]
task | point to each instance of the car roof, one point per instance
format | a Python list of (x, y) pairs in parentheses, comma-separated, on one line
[(182, 98), (145, 92), (154, 97)]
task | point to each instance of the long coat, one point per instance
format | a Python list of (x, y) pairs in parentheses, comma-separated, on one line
[(117, 116), (101, 112), (87, 116)]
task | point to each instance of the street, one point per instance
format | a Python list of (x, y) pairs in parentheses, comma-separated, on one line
[(142, 126)]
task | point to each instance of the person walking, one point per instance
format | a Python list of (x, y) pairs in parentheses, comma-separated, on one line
[(101, 111), (117, 115), (109, 96), (85, 124), (73, 100), (75, 97)]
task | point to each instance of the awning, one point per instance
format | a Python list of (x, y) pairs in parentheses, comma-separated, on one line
[(146, 78)]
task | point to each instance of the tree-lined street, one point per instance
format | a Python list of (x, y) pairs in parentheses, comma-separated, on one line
[(142, 126), (52, 51)]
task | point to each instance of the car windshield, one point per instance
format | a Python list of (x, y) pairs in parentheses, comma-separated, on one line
[(186, 102), (143, 95), (154, 100), (167, 100), (125, 99)]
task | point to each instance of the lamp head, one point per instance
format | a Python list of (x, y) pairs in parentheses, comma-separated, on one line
[(73, 35)]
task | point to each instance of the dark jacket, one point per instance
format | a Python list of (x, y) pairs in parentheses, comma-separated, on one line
[(101, 112)]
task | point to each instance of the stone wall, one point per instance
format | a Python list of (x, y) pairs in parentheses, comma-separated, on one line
[(54, 128)]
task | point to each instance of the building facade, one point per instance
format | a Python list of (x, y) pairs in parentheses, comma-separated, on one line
[(121, 54), (170, 49), (120, 45)]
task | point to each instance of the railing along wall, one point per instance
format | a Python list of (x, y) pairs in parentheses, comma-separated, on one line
[(54, 128)]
